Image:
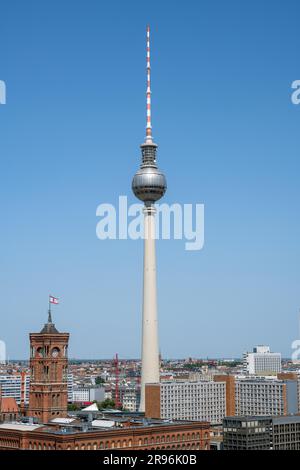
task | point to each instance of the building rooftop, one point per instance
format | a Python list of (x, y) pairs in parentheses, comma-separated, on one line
[(8, 405), (286, 419), (248, 418), (62, 420), (79, 424), (103, 423), (20, 426)]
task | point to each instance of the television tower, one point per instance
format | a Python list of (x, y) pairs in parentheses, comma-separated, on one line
[(149, 185)]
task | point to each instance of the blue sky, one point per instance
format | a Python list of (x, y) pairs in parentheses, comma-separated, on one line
[(228, 137)]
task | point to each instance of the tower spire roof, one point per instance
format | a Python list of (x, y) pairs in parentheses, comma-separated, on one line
[(49, 316), (49, 327), (148, 138)]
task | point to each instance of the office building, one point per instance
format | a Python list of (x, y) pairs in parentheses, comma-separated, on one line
[(265, 396), (262, 361), (88, 393), (286, 433), (247, 433), (199, 401), (261, 433)]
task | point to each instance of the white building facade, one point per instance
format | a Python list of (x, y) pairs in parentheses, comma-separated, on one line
[(262, 361), (260, 397), (196, 401), (15, 386), (88, 394), (130, 400)]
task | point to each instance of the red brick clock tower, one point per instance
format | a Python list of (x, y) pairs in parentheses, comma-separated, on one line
[(48, 395)]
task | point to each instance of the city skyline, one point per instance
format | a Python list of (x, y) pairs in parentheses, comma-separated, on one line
[(228, 137)]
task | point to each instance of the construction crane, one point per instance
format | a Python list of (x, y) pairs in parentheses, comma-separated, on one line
[(118, 404)]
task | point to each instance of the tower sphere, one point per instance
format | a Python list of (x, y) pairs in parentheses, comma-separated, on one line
[(149, 183)]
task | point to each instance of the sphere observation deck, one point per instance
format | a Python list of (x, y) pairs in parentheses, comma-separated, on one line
[(149, 183)]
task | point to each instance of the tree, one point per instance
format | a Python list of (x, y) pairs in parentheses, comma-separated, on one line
[(106, 404), (73, 407), (99, 380)]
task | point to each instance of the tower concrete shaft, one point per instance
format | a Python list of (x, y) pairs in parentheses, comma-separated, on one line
[(150, 346)]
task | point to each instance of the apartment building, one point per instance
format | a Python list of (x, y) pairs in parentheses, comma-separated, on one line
[(264, 397), (15, 386), (195, 401), (130, 400)]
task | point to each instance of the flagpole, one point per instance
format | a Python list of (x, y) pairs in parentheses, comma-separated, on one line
[(49, 311)]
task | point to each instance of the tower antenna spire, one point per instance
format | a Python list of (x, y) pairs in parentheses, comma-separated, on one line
[(148, 92)]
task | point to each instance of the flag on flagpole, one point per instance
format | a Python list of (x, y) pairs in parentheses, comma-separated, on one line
[(53, 300)]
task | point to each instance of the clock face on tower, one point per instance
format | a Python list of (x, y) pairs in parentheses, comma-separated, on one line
[(55, 352)]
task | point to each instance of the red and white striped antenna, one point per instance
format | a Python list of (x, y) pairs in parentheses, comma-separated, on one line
[(148, 92)]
